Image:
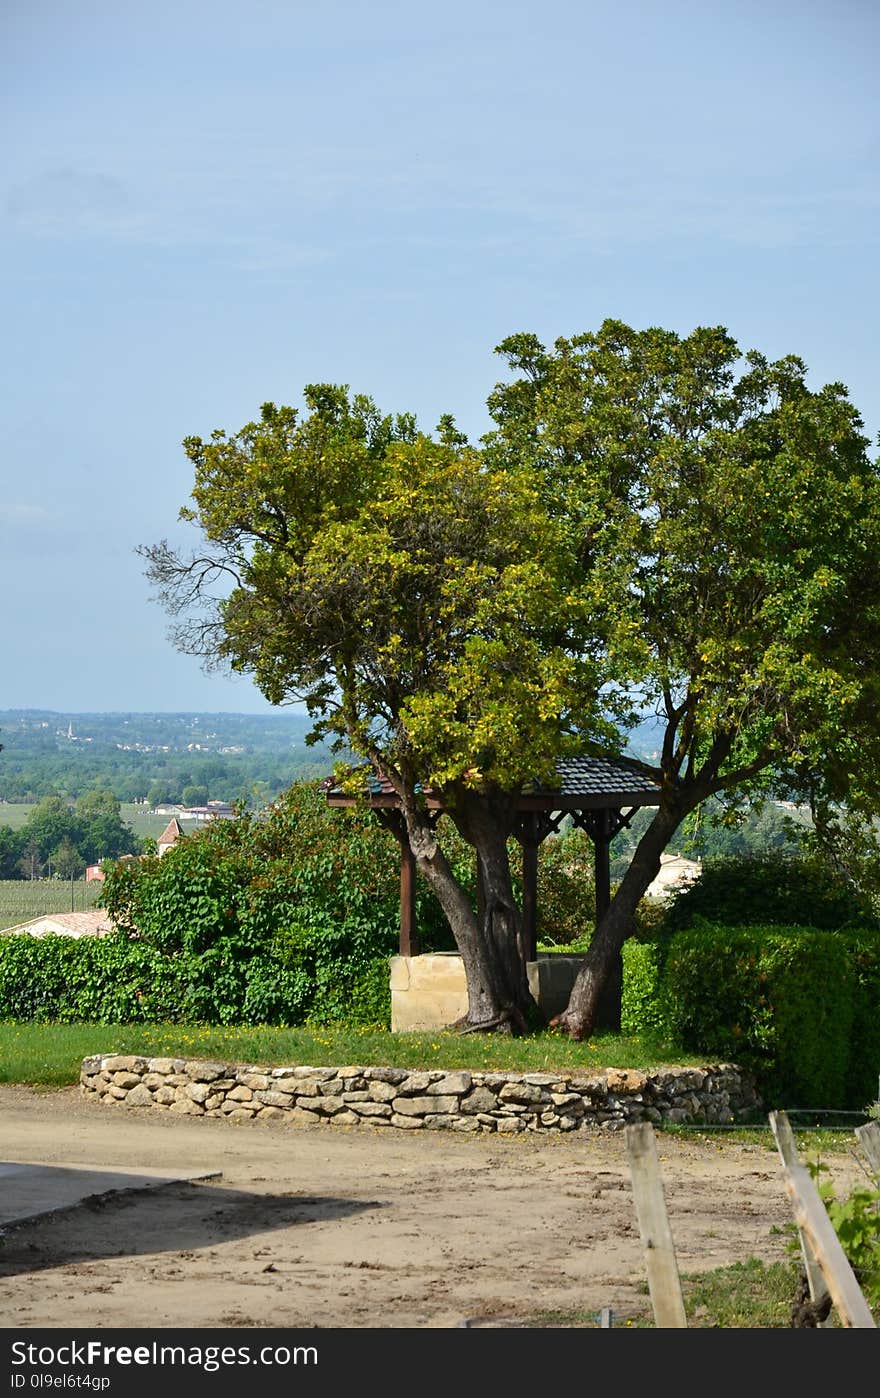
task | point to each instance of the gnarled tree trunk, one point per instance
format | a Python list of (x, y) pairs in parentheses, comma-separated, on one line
[(490, 943), (578, 1018)]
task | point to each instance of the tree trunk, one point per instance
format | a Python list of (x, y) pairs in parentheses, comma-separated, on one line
[(490, 945), (578, 1018)]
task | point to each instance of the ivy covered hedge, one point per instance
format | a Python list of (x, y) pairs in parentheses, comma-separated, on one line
[(260, 920)]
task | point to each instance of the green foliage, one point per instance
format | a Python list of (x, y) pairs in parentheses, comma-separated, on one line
[(106, 980), (642, 1009), (280, 919), (794, 1005), (740, 829), (774, 888), (566, 889)]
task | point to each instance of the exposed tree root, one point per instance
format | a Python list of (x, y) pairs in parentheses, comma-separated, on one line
[(807, 1314)]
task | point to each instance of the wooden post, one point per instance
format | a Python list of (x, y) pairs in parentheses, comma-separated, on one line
[(663, 1280), (788, 1151), (601, 845), (409, 941), (812, 1218), (868, 1137), (530, 899)]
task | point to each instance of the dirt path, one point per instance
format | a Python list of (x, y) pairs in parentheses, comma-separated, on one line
[(361, 1227)]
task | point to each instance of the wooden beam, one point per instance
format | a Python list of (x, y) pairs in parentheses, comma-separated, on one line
[(812, 1218), (409, 938), (530, 900), (663, 1279), (788, 1151), (868, 1137)]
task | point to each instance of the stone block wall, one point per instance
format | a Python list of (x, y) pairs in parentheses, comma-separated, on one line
[(430, 991), (434, 1100)]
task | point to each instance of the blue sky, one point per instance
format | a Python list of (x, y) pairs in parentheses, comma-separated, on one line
[(207, 205)]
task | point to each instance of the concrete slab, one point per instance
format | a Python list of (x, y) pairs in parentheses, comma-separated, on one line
[(29, 1189)]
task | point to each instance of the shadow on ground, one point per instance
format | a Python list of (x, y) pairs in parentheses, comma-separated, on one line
[(136, 1223)]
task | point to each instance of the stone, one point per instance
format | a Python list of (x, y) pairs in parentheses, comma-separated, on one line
[(240, 1115), (415, 1082), (456, 1083), (479, 1100), (391, 1075), (164, 1096), (126, 1080), (197, 1091), (625, 1080), (439, 1122), (319, 1074), (270, 1114), (305, 1087), (165, 1065), (373, 1109), (139, 1096), (206, 1071), (272, 1098), (297, 1117), (345, 1118), (329, 1106), (509, 1125), (240, 1094), (420, 1106), (523, 1092), (184, 1106), (381, 1092), (407, 1123), (257, 1082), (124, 1062)]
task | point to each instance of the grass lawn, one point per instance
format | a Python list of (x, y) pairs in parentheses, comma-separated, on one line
[(50, 1054)]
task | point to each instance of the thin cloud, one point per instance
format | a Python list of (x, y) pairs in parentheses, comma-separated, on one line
[(24, 514)]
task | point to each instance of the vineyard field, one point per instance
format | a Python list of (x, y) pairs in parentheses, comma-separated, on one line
[(22, 899)]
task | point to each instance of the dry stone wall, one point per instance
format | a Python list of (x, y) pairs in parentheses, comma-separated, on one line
[(433, 1100)]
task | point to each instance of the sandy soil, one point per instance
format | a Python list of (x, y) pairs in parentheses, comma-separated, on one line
[(362, 1227)]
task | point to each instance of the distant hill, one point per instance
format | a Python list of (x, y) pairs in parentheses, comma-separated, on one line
[(46, 750)]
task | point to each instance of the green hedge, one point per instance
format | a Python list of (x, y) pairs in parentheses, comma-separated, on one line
[(315, 975), (798, 1006), (780, 889), (642, 1009)]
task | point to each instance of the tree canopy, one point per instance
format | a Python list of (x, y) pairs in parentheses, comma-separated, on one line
[(655, 522)]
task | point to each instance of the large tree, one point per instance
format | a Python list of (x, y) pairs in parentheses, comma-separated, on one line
[(728, 519), (654, 522), (424, 605)]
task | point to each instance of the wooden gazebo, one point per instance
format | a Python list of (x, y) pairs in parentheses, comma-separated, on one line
[(600, 794)]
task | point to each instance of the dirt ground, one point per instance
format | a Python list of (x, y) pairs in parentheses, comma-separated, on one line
[(362, 1227)]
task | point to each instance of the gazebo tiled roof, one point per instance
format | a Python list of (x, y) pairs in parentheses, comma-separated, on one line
[(599, 795), (584, 783)]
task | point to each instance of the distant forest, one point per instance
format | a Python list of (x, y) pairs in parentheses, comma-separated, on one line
[(155, 757)]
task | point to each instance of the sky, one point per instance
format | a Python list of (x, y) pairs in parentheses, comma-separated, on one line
[(205, 206)]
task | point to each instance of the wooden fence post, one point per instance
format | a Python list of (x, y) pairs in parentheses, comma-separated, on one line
[(787, 1147), (868, 1137), (663, 1279), (812, 1218)]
